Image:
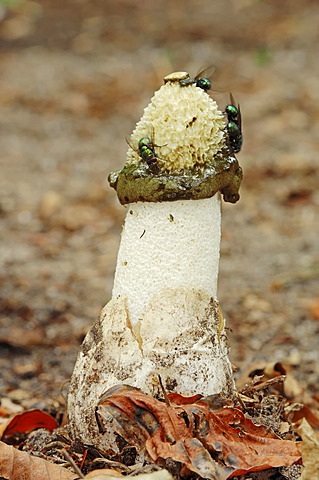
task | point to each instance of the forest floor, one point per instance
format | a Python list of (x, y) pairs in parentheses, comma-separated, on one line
[(74, 79)]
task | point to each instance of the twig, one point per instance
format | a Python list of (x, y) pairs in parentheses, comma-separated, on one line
[(72, 463), (262, 386), (168, 403)]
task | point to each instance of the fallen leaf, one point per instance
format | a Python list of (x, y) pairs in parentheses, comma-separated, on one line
[(242, 444), (18, 465), (26, 422), (179, 399), (215, 402), (9, 408), (101, 475), (145, 422), (287, 385), (297, 412), (213, 444), (314, 309), (20, 337), (299, 404), (310, 452)]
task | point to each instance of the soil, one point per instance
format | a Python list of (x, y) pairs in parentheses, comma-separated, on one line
[(74, 79)]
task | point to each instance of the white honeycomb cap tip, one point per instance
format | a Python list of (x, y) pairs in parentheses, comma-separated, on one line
[(187, 156), (185, 123)]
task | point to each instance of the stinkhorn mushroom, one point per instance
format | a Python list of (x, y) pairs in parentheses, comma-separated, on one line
[(164, 317)]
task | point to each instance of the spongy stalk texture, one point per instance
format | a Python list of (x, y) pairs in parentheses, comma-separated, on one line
[(167, 245)]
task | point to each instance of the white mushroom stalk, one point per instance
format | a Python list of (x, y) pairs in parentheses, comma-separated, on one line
[(164, 317)]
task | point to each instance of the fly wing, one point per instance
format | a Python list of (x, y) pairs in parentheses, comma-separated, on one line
[(232, 100), (239, 118), (128, 141), (206, 72)]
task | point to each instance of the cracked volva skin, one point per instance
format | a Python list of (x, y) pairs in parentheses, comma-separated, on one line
[(217, 170)]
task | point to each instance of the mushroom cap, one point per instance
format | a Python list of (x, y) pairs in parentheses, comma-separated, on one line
[(188, 154)]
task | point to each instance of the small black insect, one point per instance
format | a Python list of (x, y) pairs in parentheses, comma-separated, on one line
[(146, 149), (233, 112), (201, 80), (234, 131)]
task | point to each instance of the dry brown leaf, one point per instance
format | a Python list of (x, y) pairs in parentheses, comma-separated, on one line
[(310, 452), (158, 475), (146, 422), (314, 309), (263, 370), (190, 433), (103, 474), (289, 388), (9, 408), (17, 465), (262, 375), (20, 337), (295, 412), (242, 444)]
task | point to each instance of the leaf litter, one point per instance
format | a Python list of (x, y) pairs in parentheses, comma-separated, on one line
[(213, 444), (260, 434)]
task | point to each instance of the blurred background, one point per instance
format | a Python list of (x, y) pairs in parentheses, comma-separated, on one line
[(75, 77)]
